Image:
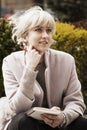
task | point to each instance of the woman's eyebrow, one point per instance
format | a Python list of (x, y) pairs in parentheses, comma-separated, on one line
[(37, 27)]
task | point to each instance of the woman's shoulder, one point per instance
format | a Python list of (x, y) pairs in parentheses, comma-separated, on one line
[(15, 55), (60, 54), (60, 58), (15, 58)]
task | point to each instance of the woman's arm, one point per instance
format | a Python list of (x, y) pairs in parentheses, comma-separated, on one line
[(18, 99)]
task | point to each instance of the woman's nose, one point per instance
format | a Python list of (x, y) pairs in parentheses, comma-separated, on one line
[(44, 34)]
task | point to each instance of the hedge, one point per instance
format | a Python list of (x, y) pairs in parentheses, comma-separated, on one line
[(6, 46)]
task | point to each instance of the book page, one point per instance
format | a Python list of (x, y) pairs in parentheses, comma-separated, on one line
[(37, 111)]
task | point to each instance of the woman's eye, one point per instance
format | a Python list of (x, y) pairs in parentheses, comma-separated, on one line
[(49, 30), (38, 29)]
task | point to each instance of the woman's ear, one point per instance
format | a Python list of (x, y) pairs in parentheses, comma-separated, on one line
[(25, 36), (22, 43), (24, 40)]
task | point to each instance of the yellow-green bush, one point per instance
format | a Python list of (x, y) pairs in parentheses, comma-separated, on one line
[(74, 41)]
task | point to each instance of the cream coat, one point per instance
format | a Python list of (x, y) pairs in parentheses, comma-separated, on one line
[(62, 84)]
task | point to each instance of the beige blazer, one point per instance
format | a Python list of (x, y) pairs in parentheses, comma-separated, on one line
[(62, 84)]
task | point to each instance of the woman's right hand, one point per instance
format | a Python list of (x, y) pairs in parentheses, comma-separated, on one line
[(32, 57)]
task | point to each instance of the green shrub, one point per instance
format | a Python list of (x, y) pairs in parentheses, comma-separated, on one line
[(6, 46), (74, 41)]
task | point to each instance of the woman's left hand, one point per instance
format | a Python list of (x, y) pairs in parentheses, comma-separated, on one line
[(52, 120)]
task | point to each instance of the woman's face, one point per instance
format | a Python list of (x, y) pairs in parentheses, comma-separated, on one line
[(40, 38)]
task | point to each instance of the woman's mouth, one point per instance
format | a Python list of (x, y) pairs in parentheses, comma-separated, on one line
[(43, 42)]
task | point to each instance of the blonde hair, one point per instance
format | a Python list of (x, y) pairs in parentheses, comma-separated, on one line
[(35, 16)]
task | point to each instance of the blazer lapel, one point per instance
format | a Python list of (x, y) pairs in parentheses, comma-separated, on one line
[(47, 76)]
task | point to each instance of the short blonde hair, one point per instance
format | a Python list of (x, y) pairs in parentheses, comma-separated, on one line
[(35, 16)]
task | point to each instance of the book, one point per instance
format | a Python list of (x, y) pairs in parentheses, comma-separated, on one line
[(36, 112)]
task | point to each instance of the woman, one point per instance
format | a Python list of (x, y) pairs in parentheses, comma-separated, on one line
[(40, 76)]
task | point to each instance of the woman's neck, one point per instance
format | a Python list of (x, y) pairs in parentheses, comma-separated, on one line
[(42, 58)]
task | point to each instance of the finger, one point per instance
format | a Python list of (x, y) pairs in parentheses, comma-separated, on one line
[(51, 117), (47, 121), (29, 47), (32, 49), (54, 124), (51, 123), (55, 108)]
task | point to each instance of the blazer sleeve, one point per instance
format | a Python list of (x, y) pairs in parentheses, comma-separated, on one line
[(17, 99), (73, 100)]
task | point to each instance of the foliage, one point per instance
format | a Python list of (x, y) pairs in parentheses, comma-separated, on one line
[(68, 10), (82, 23), (74, 41), (6, 45)]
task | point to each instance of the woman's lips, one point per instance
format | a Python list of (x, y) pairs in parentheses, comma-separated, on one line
[(43, 42)]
